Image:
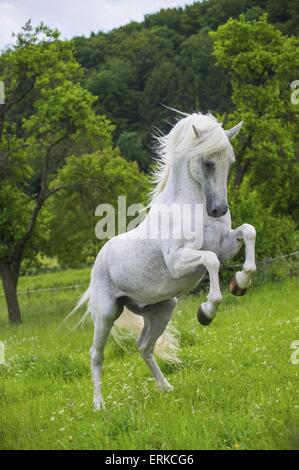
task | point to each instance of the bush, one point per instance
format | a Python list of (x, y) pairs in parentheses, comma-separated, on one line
[(276, 234)]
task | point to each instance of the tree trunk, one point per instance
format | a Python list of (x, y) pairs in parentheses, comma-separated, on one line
[(10, 281)]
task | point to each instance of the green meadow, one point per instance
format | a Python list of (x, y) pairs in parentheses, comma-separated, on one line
[(236, 387)]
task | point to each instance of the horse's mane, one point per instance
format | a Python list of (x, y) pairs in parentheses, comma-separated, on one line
[(182, 141)]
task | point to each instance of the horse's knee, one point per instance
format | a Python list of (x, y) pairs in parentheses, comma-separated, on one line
[(211, 261), (248, 232)]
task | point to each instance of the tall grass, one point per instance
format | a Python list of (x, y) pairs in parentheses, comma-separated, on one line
[(235, 389)]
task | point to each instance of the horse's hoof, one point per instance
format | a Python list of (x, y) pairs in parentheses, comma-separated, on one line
[(165, 387), (235, 289), (202, 318)]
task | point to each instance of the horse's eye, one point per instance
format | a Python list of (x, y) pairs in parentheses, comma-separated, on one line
[(209, 165)]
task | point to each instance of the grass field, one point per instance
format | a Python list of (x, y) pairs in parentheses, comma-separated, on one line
[(235, 389)]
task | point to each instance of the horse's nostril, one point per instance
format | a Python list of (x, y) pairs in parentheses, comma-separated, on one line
[(219, 211)]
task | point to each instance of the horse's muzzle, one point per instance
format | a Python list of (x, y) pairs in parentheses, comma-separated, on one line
[(218, 211)]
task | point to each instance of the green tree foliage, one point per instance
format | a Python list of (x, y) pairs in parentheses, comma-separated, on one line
[(46, 116), (275, 235), (86, 182), (206, 87), (132, 149), (115, 87), (162, 87), (285, 15), (168, 59), (262, 63)]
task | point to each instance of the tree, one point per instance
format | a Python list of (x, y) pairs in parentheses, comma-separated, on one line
[(87, 181), (203, 85), (284, 14), (115, 85), (46, 116), (132, 148), (129, 68), (161, 88), (262, 63)]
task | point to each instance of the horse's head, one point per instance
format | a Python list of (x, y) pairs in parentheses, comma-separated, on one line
[(210, 166)]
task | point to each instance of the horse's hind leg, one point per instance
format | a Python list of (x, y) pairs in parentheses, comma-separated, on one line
[(104, 311), (156, 319)]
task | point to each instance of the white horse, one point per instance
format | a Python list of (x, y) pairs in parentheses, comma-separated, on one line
[(143, 274)]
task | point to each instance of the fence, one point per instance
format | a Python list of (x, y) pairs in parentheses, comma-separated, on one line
[(30, 291), (265, 262)]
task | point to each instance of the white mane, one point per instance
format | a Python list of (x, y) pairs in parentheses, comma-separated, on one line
[(182, 141)]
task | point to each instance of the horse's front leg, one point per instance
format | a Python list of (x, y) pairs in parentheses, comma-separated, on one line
[(185, 261), (231, 246)]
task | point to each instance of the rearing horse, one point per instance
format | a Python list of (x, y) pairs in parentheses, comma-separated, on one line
[(146, 274)]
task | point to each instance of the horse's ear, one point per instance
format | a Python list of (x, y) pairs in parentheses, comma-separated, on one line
[(234, 130), (196, 131)]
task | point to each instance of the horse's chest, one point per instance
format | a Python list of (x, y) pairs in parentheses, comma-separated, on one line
[(213, 236)]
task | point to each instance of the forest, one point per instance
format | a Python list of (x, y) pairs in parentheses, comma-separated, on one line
[(78, 124)]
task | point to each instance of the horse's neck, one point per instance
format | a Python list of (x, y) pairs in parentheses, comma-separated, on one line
[(181, 187)]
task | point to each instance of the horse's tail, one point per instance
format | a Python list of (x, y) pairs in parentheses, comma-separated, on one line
[(82, 300), (128, 324), (167, 346)]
